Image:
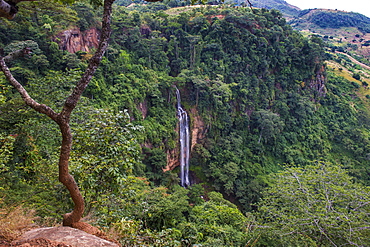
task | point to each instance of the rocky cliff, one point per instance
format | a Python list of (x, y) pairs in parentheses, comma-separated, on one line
[(74, 40), (317, 82)]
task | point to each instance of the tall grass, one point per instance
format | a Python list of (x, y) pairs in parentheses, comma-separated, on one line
[(14, 221)]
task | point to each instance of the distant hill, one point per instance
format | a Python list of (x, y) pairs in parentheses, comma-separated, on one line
[(313, 19), (328, 18), (283, 6)]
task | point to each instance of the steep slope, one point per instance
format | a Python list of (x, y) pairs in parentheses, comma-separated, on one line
[(259, 95), (260, 88)]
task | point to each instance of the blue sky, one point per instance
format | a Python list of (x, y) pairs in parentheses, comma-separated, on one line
[(360, 6)]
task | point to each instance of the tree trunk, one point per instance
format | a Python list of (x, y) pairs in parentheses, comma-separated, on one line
[(66, 178)]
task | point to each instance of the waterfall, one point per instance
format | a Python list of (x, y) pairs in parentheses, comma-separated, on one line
[(184, 142)]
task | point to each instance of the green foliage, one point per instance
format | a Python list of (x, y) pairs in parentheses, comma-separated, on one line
[(6, 151), (251, 79), (105, 151), (357, 76), (318, 205), (268, 124), (30, 178), (131, 234), (88, 18), (36, 60), (53, 88), (155, 208), (216, 222)]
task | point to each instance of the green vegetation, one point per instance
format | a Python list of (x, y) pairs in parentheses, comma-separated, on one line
[(318, 205), (269, 106), (337, 19), (328, 18), (342, 31)]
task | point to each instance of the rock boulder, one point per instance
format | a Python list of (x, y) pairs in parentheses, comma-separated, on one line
[(62, 236)]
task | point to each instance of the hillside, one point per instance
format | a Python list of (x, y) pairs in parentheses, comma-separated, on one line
[(287, 9), (332, 19), (268, 115), (344, 31)]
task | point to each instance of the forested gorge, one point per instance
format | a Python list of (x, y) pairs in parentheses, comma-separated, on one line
[(279, 131)]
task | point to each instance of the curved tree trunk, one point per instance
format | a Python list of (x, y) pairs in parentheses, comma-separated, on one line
[(66, 178), (63, 118)]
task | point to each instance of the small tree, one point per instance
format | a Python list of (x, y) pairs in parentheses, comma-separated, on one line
[(268, 123), (318, 205), (8, 9), (63, 117), (357, 76)]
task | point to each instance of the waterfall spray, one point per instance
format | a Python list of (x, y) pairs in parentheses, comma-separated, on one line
[(184, 142)]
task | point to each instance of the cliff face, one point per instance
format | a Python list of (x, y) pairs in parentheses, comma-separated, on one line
[(74, 40), (198, 130), (317, 82), (173, 159)]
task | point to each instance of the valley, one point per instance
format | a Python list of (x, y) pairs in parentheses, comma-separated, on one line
[(203, 125)]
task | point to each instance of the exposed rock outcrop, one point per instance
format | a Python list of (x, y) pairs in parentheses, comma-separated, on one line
[(143, 108), (61, 236), (198, 130), (317, 82), (74, 40), (173, 159)]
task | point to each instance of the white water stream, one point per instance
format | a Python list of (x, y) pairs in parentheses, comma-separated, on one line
[(184, 142)]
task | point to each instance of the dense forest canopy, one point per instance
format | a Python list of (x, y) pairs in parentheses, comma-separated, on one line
[(261, 93)]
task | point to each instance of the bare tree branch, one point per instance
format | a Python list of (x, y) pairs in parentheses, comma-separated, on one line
[(250, 4)]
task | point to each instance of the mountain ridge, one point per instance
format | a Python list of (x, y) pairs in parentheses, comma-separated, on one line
[(295, 15)]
